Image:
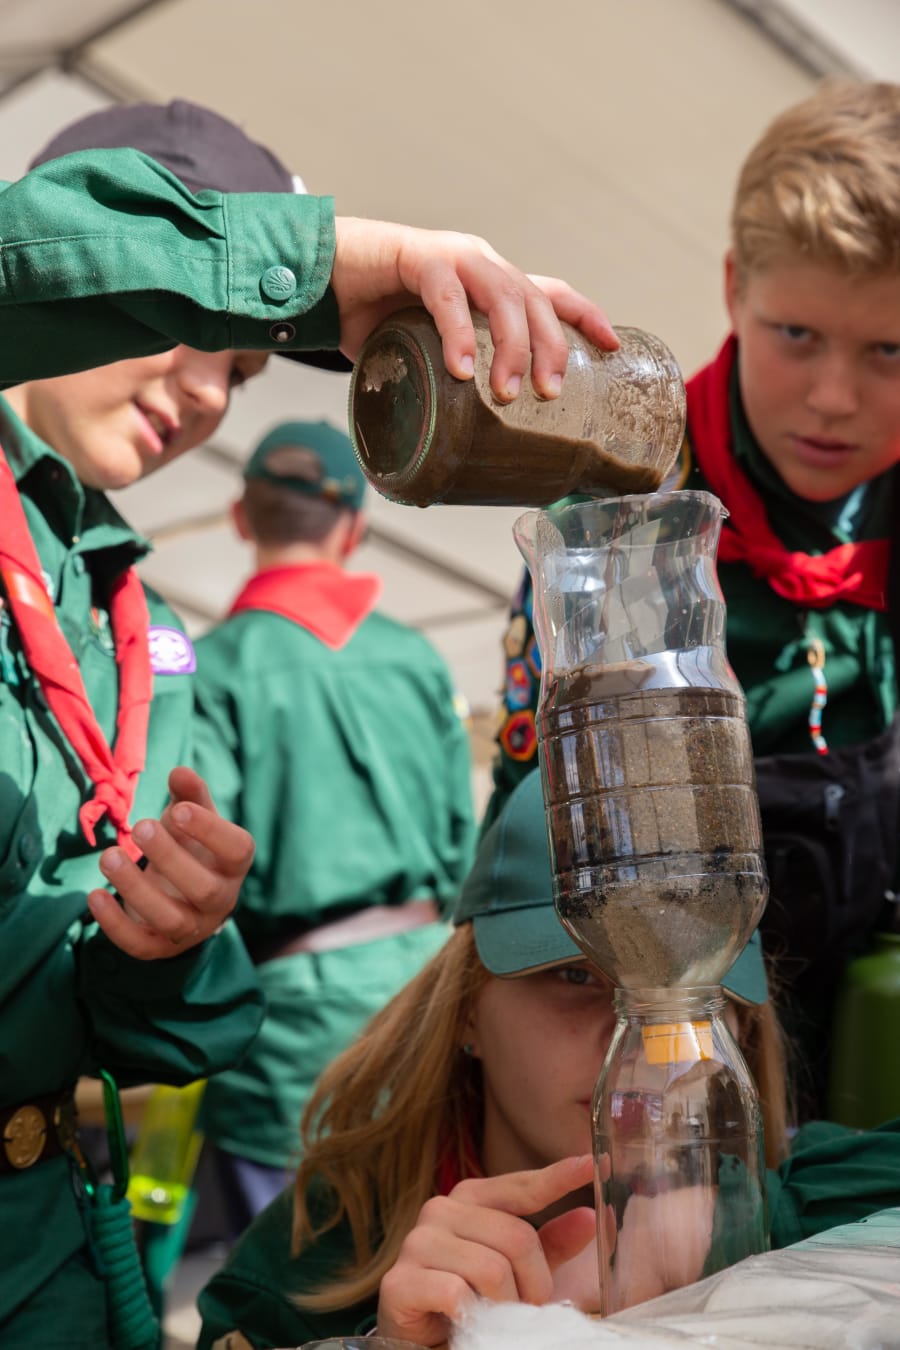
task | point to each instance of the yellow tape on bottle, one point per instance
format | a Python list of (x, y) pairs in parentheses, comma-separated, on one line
[(677, 1042)]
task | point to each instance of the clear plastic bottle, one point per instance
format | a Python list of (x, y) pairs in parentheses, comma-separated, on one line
[(678, 1147), (423, 437), (643, 742)]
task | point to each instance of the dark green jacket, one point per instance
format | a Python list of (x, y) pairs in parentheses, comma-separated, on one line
[(351, 769), (833, 1176), (70, 1001)]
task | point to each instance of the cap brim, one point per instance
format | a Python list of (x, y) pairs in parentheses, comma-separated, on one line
[(517, 941), (746, 979), (328, 360), (531, 938)]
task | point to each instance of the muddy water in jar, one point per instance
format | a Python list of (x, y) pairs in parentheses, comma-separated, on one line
[(654, 824)]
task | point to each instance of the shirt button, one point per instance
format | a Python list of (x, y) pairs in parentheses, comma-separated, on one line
[(78, 565), (278, 284), (282, 332)]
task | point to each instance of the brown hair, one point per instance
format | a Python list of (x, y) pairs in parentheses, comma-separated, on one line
[(277, 516), (386, 1110), (824, 181)]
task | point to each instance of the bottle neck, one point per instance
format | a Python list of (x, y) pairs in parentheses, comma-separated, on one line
[(671, 1004)]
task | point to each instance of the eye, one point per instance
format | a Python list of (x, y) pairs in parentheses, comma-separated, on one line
[(889, 350), (245, 366), (794, 332), (579, 975)]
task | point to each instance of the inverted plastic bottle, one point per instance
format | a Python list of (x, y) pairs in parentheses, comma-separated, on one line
[(643, 742), (678, 1147), (423, 437)]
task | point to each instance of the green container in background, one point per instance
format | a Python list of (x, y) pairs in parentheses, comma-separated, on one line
[(864, 1089)]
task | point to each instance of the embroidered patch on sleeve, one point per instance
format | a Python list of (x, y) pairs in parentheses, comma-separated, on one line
[(171, 651)]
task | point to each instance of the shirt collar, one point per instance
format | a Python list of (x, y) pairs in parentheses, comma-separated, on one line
[(74, 512)]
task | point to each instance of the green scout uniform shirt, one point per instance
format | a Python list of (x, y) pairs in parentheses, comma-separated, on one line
[(351, 770), (105, 255), (768, 638), (833, 1176), (70, 1001)]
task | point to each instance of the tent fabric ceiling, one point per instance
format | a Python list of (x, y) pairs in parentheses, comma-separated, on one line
[(602, 146)]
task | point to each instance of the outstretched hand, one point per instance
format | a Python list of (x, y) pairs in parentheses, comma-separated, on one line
[(197, 862), (381, 267), (474, 1242)]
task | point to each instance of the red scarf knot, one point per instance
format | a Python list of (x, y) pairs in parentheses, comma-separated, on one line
[(855, 572)]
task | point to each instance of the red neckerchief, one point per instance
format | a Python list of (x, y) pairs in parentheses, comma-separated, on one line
[(319, 596), (114, 773), (857, 572)]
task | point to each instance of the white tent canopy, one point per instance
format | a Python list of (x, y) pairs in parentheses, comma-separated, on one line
[(598, 139)]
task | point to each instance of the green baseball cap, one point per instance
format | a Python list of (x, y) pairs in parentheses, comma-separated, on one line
[(508, 897), (310, 457)]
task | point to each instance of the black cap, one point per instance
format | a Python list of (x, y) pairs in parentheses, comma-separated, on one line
[(202, 149)]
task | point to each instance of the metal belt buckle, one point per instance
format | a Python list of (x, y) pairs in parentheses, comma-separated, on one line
[(24, 1136)]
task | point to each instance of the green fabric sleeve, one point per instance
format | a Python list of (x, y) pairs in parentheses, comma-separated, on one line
[(106, 255), (180, 1019), (834, 1175), (253, 1291)]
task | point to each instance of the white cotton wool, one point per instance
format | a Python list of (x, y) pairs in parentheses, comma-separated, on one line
[(556, 1326)]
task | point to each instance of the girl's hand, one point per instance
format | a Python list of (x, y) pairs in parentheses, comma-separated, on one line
[(381, 267), (197, 862), (474, 1242)]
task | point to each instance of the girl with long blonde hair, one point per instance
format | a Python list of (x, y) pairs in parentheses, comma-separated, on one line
[(446, 1153)]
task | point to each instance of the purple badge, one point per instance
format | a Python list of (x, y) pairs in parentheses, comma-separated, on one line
[(171, 651)]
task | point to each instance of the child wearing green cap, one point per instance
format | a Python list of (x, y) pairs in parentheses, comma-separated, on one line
[(465, 1106), (332, 735)]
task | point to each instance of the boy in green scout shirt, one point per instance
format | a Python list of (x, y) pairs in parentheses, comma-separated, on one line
[(796, 427), (108, 255), (95, 713), (331, 734)]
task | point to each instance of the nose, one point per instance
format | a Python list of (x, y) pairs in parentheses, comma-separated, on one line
[(833, 390), (204, 380)]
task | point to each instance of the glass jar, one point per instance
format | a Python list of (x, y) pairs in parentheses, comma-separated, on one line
[(422, 436), (678, 1147), (643, 743)]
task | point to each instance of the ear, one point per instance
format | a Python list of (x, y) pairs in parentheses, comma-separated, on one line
[(239, 520), (469, 1042), (732, 288), (356, 529)]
